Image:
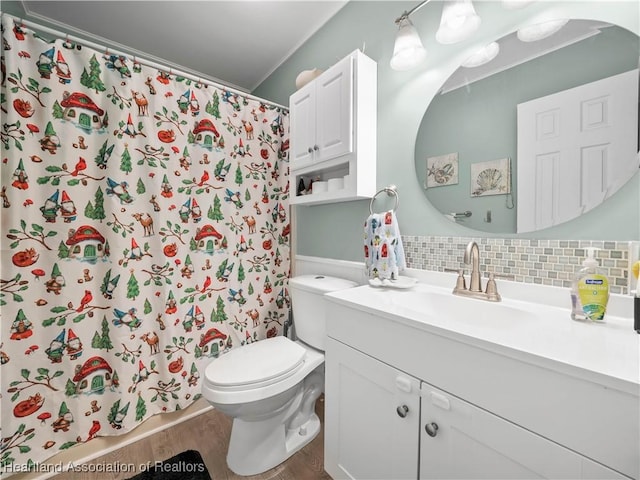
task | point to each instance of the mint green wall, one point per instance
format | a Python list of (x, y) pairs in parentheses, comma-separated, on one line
[(335, 230), (479, 122)]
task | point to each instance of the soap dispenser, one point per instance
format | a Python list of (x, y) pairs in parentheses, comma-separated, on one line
[(589, 291)]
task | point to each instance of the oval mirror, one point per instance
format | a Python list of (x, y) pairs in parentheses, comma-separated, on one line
[(544, 131)]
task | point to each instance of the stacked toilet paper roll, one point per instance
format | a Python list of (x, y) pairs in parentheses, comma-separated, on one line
[(335, 184), (319, 187)]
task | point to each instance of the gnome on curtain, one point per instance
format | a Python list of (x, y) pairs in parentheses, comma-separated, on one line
[(136, 252), (67, 208), (74, 345), (64, 420), (166, 188), (62, 70), (56, 348), (21, 327), (50, 141), (45, 63), (194, 106), (183, 101), (20, 179), (50, 208)]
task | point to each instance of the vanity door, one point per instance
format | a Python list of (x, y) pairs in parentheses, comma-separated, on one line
[(372, 416), (460, 440)]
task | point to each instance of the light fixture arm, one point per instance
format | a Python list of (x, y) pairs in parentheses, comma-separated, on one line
[(405, 15)]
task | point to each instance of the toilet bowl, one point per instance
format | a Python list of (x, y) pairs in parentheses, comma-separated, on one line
[(270, 387)]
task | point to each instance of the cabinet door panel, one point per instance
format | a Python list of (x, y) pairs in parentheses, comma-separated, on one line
[(302, 126), (473, 443), (365, 437), (334, 104)]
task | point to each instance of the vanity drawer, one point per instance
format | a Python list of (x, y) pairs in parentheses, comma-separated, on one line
[(536, 393)]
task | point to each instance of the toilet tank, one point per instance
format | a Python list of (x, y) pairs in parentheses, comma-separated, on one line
[(307, 304)]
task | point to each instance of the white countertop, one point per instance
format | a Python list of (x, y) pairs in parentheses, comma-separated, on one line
[(607, 353)]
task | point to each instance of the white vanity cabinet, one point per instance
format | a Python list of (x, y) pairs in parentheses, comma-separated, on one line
[(375, 412), (483, 411), (333, 131), (460, 440)]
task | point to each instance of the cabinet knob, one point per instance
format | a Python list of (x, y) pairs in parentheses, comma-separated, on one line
[(310, 150), (316, 148), (402, 410), (431, 429)]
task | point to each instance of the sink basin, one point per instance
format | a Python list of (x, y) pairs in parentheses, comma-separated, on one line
[(449, 307)]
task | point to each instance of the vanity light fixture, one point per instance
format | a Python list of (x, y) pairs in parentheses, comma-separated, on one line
[(515, 4), (408, 50), (482, 56), (533, 33), (458, 22)]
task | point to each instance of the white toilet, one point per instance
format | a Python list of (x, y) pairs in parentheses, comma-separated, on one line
[(270, 387)]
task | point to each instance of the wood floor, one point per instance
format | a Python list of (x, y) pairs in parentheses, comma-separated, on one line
[(208, 434)]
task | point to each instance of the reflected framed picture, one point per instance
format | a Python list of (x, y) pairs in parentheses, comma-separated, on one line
[(491, 178), (442, 170)]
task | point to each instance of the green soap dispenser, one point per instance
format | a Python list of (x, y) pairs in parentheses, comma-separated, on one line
[(589, 291)]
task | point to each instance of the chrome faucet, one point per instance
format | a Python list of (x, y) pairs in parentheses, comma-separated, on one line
[(472, 257)]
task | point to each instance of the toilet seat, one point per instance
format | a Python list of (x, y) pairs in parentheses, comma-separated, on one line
[(256, 365), (258, 370)]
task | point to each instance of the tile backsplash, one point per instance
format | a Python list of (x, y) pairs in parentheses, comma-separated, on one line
[(545, 262)]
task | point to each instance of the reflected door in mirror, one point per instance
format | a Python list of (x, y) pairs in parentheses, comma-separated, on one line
[(575, 149)]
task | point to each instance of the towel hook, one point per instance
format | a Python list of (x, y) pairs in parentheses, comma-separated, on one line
[(390, 190)]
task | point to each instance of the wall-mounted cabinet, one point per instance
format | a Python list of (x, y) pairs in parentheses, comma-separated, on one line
[(333, 133)]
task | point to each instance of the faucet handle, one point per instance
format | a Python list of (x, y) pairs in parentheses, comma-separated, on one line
[(492, 289), (461, 284)]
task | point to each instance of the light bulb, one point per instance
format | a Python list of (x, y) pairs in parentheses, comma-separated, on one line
[(482, 56), (408, 50), (459, 21), (533, 33), (515, 4)]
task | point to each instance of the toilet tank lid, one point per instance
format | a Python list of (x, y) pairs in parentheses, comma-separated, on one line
[(320, 283)]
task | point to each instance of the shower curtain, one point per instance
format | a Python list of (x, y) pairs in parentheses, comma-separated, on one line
[(145, 232)]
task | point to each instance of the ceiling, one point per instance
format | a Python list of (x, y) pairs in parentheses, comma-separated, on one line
[(238, 43)]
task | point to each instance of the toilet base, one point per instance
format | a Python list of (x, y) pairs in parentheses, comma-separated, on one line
[(299, 437), (256, 447), (269, 427)]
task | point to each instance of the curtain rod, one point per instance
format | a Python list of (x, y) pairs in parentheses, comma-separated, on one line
[(136, 59)]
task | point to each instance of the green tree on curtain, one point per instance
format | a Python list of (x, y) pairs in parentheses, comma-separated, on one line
[(91, 79)]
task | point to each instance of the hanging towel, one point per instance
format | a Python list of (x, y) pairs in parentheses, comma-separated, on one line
[(383, 251)]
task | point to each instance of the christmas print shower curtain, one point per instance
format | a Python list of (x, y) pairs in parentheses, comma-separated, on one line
[(145, 231)]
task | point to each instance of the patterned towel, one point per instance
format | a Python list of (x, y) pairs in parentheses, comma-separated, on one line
[(383, 251)]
